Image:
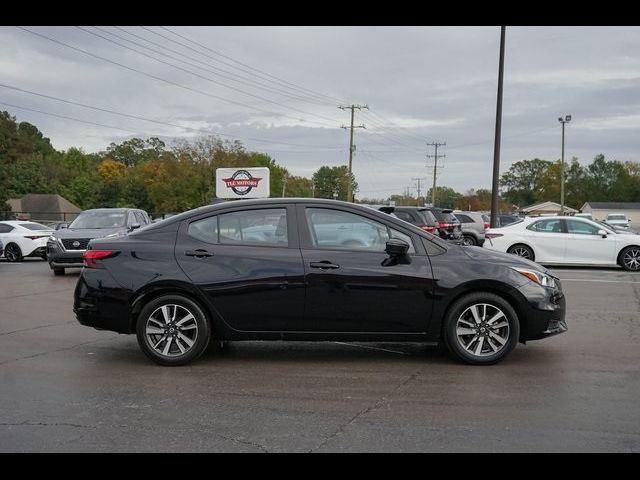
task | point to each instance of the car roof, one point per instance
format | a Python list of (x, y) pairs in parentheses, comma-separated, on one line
[(17, 222)]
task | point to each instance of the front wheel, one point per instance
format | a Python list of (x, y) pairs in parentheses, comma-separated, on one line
[(173, 330), (481, 328), (13, 253), (630, 259)]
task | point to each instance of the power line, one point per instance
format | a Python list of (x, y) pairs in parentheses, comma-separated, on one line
[(229, 75), (159, 122), (264, 99), (332, 99), (151, 75)]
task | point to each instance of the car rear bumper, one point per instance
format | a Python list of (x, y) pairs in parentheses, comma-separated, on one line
[(101, 303)]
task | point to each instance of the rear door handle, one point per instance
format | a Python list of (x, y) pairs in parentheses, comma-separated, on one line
[(325, 265), (198, 253)]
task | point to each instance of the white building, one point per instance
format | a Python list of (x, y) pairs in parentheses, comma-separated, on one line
[(600, 210)]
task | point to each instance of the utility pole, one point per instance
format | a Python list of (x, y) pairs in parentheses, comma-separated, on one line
[(284, 184), (496, 142), (435, 157), (418, 180), (351, 107), (564, 120)]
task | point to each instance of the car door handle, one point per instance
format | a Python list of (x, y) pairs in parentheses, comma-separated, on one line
[(198, 253), (325, 265)]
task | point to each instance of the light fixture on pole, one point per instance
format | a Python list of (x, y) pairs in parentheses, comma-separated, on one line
[(566, 119)]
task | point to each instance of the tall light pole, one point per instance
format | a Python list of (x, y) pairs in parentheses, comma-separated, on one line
[(566, 119), (496, 143)]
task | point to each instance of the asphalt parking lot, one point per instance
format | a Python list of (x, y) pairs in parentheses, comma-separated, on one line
[(64, 387)]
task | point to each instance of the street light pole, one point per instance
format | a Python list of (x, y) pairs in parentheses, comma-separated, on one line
[(564, 120)]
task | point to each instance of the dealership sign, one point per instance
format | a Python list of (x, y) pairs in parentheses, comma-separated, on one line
[(242, 182)]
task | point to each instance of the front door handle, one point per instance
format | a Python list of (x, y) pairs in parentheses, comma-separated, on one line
[(198, 253), (324, 265)]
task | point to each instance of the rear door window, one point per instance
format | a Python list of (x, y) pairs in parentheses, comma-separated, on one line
[(267, 226)]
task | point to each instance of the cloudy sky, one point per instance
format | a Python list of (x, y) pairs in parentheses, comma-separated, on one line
[(277, 89)]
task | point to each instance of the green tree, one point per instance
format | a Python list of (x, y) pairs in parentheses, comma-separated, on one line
[(330, 181), (523, 183)]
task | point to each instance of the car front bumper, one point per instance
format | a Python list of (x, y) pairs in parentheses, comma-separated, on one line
[(544, 311), (60, 258)]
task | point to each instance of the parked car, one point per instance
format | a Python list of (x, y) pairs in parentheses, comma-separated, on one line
[(65, 247), (616, 228), (618, 219), (23, 239), (57, 225), (567, 241), (588, 216), (1, 248), (473, 226), (421, 217), (505, 219), (330, 271), (448, 225)]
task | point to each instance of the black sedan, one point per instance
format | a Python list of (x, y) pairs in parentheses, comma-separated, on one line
[(310, 269)]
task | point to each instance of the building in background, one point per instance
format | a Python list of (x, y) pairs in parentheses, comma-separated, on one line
[(43, 207), (600, 210), (546, 208)]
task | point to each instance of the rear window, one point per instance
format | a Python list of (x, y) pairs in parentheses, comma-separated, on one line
[(428, 217), (464, 218), (34, 226), (616, 217)]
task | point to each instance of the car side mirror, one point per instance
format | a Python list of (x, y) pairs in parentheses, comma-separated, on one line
[(63, 225), (134, 226), (602, 233), (396, 247)]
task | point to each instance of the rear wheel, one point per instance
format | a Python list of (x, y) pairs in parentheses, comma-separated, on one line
[(173, 330), (522, 251), (630, 259), (13, 253), (481, 328), (469, 240)]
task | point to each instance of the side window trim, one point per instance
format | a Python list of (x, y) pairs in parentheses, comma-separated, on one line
[(306, 233)]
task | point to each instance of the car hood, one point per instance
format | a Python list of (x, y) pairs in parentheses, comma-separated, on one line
[(500, 258), (87, 232)]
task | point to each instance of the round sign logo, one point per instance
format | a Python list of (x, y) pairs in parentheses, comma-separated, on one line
[(76, 243), (241, 182)]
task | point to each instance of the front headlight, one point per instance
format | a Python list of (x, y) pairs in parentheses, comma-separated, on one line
[(52, 239), (540, 278)]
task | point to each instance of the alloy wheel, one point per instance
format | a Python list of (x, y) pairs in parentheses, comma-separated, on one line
[(482, 330), (631, 259), (171, 330), (522, 252), (12, 253)]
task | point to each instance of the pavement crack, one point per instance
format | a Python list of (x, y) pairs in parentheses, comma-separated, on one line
[(245, 442), (45, 424), (376, 405), (36, 328)]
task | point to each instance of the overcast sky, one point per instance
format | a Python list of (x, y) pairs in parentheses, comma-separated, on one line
[(277, 89)]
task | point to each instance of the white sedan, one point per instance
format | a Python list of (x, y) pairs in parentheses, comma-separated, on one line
[(566, 241), (24, 239)]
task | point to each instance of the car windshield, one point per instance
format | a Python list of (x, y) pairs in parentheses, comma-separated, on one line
[(99, 220), (605, 224), (34, 226), (616, 217)]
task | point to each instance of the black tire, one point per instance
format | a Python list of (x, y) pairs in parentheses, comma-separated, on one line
[(629, 259), (200, 340), (469, 240), (458, 311), (58, 272), (522, 251), (13, 253)]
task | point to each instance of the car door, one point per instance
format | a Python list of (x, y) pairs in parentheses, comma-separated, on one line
[(587, 246), (351, 284), (549, 240), (5, 230), (247, 262)]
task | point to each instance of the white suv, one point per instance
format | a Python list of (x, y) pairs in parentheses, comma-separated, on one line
[(618, 220)]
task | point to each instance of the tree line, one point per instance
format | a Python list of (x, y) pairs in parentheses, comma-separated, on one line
[(148, 174)]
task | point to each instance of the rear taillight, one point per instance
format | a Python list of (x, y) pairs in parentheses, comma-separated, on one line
[(487, 225), (446, 225), (426, 228), (491, 236), (36, 237), (92, 258)]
